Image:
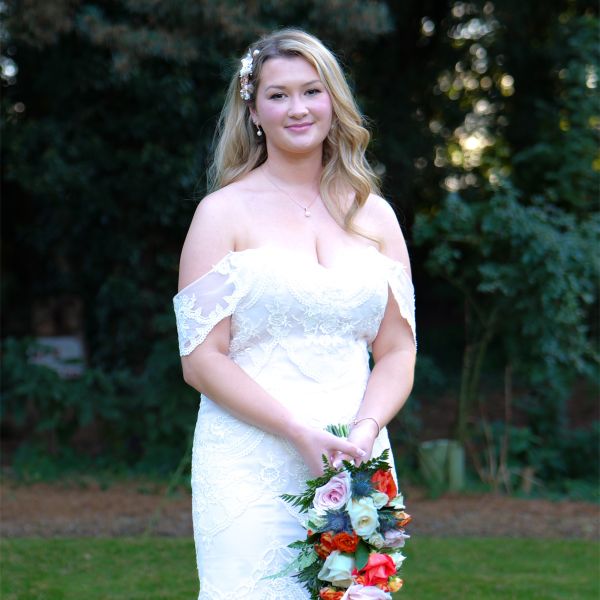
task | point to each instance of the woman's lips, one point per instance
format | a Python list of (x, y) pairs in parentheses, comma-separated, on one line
[(299, 126)]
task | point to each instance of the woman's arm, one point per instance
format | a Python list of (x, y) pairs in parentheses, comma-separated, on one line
[(394, 352), (208, 367)]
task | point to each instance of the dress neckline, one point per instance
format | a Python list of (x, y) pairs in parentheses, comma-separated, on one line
[(304, 257)]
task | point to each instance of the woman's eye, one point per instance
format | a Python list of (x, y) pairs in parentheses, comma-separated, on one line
[(276, 96), (313, 92)]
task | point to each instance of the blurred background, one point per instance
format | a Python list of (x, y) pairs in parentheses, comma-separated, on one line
[(486, 125), (486, 122)]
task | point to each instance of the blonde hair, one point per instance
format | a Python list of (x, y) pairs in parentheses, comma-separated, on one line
[(345, 167)]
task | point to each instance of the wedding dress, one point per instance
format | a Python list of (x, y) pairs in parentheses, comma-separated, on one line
[(302, 331)]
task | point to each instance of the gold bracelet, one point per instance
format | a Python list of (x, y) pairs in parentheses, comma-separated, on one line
[(357, 421)]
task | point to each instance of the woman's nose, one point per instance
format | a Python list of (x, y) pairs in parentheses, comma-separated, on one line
[(297, 107)]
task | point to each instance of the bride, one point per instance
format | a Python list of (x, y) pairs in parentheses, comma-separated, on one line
[(293, 268)]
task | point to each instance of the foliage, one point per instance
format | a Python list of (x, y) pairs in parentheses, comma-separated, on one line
[(107, 119), (517, 231), (164, 569), (544, 467), (485, 249), (132, 425)]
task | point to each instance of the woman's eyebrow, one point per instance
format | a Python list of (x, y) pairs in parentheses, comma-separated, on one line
[(283, 87)]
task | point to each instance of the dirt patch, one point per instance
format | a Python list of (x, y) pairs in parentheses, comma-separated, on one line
[(133, 508)]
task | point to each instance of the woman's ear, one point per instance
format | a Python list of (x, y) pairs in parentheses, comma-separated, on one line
[(253, 114)]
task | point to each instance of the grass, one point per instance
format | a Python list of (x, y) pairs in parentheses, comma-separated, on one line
[(164, 569)]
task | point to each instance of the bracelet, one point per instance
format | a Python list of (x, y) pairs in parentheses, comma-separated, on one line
[(357, 421)]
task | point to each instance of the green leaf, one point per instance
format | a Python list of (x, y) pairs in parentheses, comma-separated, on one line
[(361, 555), (304, 560)]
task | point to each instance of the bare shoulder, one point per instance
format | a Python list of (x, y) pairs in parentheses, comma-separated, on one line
[(379, 219), (213, 232)]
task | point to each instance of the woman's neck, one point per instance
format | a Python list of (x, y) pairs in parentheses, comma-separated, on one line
[(293, 170)]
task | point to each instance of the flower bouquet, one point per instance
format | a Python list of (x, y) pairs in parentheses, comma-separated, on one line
[(355, 522)]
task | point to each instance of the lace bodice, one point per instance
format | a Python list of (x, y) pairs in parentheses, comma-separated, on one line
[(281, 299)]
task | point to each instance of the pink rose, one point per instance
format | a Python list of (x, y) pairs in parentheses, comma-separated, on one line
[(394, 538), (334, 494), (365, 592)]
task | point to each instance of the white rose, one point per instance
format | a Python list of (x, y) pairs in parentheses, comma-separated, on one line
[(363, 516), (398, 502), (379, 499), (376, 539), (337, 569), (398, 559)]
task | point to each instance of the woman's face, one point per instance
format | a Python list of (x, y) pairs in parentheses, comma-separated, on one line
[(292, 106)]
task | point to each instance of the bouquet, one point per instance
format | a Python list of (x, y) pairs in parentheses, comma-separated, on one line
[(355, 527)]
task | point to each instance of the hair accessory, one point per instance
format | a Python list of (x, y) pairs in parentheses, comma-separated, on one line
[(246, 88)]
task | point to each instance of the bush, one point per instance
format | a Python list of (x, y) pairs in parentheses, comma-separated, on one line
[(140, 422)]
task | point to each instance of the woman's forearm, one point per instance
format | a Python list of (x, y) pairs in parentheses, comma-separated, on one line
[(389, 386), (227, 384), (216, 375)]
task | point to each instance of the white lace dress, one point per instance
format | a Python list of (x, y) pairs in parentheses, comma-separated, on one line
[(302, 331)]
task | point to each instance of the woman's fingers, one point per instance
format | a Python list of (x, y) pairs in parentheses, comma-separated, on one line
[(318, 443), (340, 457), (351, 450), (347, 451)]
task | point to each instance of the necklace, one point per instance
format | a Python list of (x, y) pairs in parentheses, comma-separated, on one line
[(307, 212)]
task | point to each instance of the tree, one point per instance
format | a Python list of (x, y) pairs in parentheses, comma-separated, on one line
[(517, 232)]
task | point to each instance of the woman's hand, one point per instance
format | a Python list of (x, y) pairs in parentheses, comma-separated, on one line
[(362, 435), (313, 443)]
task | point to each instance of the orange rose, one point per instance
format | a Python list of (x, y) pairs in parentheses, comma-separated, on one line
[(325, 546), (395, 583), (330, 594), (378, 569), (403, 518), (384, 482), (345, 542)]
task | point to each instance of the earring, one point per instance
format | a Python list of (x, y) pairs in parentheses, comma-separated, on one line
[(258, 130)]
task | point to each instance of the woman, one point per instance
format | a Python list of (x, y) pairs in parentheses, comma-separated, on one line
[(285, 280)]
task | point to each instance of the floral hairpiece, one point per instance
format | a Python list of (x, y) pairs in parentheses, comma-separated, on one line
[(246, 88)]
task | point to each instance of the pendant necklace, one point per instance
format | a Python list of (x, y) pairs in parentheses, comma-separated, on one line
[(306, 210)]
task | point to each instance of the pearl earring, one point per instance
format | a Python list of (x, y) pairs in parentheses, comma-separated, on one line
[(258, 130)]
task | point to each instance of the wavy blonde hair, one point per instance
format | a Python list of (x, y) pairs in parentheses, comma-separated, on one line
[(345, 167)]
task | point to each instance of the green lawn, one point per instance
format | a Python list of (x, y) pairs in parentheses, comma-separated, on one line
[(165, 569)]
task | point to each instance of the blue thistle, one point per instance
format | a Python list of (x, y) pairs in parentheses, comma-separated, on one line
[(337, 521), (387, 521), (361, 485)]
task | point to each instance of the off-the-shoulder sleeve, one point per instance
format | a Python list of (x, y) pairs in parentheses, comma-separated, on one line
[(403, 292), (206, 301)]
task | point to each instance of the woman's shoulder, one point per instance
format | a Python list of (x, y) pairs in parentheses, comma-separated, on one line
[(225, 209), (377, 217), (220, 203), (218, 227)]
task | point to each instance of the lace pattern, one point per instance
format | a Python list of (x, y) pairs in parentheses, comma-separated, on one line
[(297, 298), (403, 291), (302, 332), (206, 301)]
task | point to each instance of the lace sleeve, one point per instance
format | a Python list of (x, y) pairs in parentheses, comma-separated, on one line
[(206, 301), (403, 292)]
